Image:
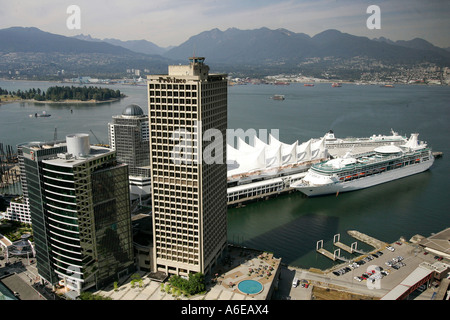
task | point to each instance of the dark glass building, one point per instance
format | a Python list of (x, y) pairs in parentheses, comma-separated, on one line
[(80, 210)]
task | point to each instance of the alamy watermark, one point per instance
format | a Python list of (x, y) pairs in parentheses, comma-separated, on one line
[(374, 281), (196, 146), (74, 20), (374, 21)]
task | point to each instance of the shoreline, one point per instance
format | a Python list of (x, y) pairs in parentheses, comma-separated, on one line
[(314, 81), (62, 102)]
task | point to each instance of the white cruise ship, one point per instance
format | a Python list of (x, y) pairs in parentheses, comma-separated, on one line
[(383, 164)]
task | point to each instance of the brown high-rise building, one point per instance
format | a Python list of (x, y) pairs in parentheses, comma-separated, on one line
[(189, 194)]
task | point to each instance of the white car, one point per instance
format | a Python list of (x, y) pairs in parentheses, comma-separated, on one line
[(390, 248)]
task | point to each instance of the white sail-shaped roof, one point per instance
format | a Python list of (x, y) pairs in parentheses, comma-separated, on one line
[(318, 149), (258, 143), (304, 151), (272, 156), (288, 152)]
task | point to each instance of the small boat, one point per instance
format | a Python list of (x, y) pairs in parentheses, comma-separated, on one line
[(277, 97), (308, 85), (336, 85), (387, 86), (43, 115)]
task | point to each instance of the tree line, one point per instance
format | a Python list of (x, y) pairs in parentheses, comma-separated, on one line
[(66, 93)]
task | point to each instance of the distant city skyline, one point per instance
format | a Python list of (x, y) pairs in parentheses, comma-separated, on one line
[(170, 23)]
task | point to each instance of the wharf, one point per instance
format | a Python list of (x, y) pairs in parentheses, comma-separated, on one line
[(327, 254), (333, 256), (378, 244), (343, 247)]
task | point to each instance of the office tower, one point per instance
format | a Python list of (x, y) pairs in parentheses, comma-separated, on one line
[(30, 157), (129, 136), (80, 212), (188, 195)]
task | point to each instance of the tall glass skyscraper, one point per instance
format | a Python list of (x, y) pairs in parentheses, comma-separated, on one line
[(189, 195), (80, 212)]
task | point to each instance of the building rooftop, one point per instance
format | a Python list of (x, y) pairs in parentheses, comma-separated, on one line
[(68, 160), (133, 110), (439, 242)]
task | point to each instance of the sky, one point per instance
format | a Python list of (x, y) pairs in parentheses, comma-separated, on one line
[(172, 22)]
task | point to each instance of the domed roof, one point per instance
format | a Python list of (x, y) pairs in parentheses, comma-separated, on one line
[(133, 110)]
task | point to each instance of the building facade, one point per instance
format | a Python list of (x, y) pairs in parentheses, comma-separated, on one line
[(189, 196), (129, 136), (80, 212)]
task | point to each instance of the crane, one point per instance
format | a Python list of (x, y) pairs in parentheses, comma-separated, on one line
[(95, 136)]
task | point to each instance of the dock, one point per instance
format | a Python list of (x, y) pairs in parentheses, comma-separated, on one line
[(333, 256), (336, 255), (377, 244), (327, 254), (341, 245)]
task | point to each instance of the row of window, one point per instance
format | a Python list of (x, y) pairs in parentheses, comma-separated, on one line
[(182, 94), (164, 86), (172, 100)]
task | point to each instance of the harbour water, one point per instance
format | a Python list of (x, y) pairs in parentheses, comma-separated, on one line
[(290, 225)]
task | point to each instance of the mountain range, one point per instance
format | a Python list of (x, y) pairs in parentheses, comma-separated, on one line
[(32, 50), (264, 45), (139, 46)]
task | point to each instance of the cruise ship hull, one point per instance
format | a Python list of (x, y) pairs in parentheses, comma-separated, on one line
[(365, 182)]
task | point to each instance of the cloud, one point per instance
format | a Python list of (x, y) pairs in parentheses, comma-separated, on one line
[(171, 22)]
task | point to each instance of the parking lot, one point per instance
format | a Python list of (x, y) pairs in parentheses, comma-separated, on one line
[(372, 275), (387, 267)]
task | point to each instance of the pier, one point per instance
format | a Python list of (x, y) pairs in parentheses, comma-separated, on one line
[(352, 249), (336, 255), (377, 244), (341, 245)]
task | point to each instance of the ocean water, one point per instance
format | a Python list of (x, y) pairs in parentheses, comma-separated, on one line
[(290, 225)]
